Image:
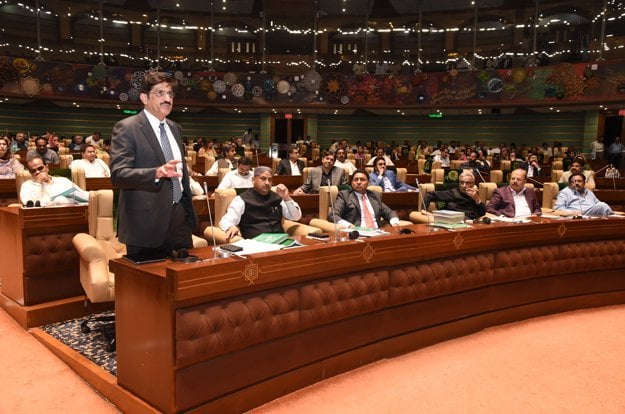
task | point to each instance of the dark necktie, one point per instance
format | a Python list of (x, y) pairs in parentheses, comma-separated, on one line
[(169, 155)]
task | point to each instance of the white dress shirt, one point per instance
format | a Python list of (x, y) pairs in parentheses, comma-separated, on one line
[(95, 169), (235, 180)]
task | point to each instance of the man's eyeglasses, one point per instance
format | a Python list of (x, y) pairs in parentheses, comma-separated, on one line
[(161, 93), (466, 182), (37, 169)]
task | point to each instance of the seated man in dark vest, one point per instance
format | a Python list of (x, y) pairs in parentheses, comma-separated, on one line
[(260, 210)]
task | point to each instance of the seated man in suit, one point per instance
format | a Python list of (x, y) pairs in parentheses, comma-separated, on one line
[(239, 178), (361, 207), (93, 166), (46, 190), (259, 210), (291, 166), (465, 198), (386, 178), (577, 166), (324, 175), (532, 167), (577, 200), (514, 200)]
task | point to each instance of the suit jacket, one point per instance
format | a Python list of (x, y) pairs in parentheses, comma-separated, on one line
[(375, 179), (538, 173), (347, 207), (313, 181), (502, 202), (145, 205), (284, 167)]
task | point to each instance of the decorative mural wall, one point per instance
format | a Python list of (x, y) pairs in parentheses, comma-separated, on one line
[(601, 82)]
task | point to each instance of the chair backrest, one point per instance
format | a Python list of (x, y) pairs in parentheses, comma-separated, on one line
[(305, 173), (20, 178), (423, 190), (65, 160), (496, 176), (208, 162), (401, 173), (438, 175), (455, 164), (221, 173), (325, 193), (193, 155), (486, 191), (421, 165), (550, 195), (274, 164), (436, 164), (223, 198), (101, 223), (315, 153), (79, 178), (105, 156), (555, 175), (557, 165)]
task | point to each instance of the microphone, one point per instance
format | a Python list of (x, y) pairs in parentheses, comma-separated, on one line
[(210, 220), (613, 178)]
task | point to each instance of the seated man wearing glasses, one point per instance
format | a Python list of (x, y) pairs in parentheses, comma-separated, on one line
[(465, 198), (387, 179), (46, 190)]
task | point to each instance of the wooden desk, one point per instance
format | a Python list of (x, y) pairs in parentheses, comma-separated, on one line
[(8, 192), (227, 335), (98, 183), (40, 269), (609, 183), (291, 181)]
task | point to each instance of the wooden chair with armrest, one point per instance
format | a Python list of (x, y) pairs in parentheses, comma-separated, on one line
[(223, 198), (95, 250)]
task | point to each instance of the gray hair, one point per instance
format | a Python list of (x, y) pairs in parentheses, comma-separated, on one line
[(259, 170), (467, 173)]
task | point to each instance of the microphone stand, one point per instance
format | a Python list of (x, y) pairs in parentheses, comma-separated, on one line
[(581, 209), (336, 231), (425, 210), (210, 220)]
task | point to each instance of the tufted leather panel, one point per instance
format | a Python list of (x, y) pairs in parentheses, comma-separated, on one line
[(342, 297), (204, 332), (50, 251), (430, 279), (551, 260)]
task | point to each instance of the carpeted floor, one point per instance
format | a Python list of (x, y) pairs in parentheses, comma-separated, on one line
[(92, 345), (566, 363)]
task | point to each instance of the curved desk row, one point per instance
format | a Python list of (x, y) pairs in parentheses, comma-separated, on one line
[(226, 335)]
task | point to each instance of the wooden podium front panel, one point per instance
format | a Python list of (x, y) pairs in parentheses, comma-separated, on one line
[(8, 192), (44, 265)]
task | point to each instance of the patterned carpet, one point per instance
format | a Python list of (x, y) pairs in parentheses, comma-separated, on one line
[(92, 345)]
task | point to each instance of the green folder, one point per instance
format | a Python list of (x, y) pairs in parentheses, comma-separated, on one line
[(272, 238)]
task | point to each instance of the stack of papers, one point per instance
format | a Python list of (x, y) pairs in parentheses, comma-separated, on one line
[(366, 232)]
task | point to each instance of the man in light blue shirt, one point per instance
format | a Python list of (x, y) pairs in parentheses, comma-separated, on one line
[(577, 200)]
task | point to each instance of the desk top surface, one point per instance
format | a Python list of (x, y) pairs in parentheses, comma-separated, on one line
[(317, 259)]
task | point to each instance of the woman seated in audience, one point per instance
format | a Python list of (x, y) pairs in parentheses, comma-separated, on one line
[(53, 142), (207, 150), (8, 165)]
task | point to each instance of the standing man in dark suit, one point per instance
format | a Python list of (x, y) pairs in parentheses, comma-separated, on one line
[(155, 212), (361, 207), (291, 166), (514, 200)]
